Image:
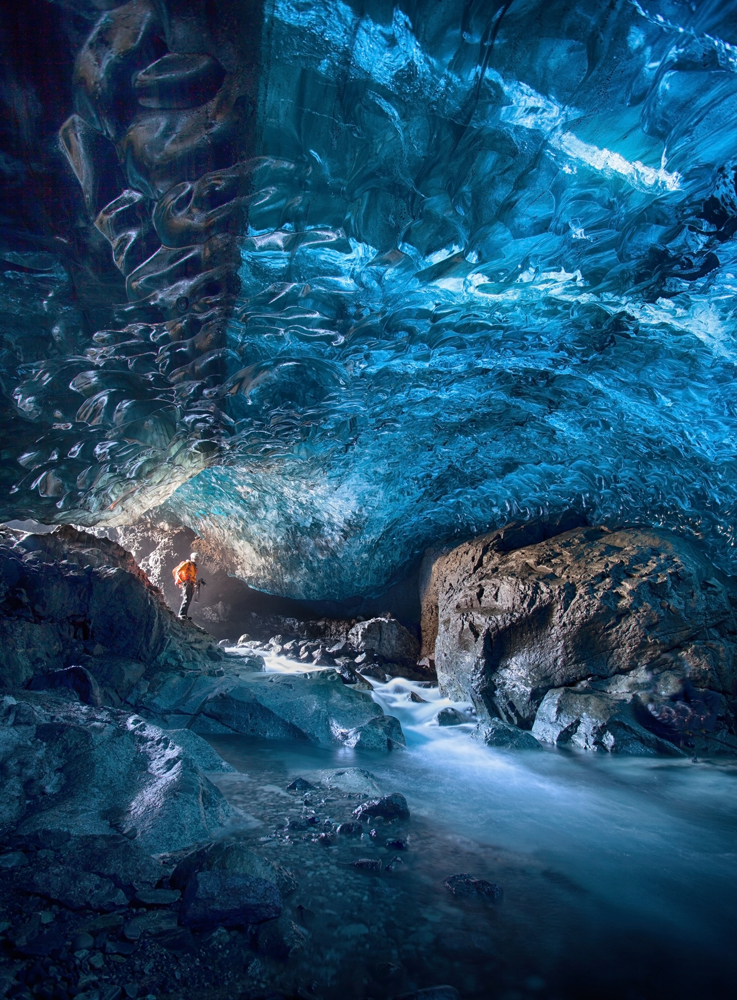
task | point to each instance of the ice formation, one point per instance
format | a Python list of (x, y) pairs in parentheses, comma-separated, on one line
[(440, 267)]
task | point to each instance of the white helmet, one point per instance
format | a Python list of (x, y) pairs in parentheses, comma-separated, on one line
[(193, 557)]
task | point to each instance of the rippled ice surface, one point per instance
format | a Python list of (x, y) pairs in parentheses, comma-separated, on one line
[(619, 874), (490, 274)]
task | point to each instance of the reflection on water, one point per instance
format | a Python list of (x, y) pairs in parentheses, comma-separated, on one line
[(619, 873)]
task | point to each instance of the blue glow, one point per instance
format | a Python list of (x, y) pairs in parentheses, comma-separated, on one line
[(480, 284)]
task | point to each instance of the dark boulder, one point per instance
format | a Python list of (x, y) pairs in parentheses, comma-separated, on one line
[(469, 886), (383, 732), (497, 733), (74, 679), (71, 600), (389, 807), (228, 899), (451, 717), (388, 640), (631, 612)]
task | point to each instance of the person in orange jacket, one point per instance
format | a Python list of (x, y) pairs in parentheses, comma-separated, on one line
[(185, 577)]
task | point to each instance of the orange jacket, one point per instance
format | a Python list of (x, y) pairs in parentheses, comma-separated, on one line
[(185, 572)]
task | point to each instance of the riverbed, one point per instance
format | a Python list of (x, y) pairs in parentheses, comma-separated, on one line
[(619, 874)]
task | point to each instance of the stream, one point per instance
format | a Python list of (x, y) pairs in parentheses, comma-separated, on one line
[(618, 873)]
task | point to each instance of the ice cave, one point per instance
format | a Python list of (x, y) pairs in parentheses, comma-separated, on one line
[(368, 499)]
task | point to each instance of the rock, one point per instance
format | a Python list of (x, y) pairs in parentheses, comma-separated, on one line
[(374, 671), (199, 750), (350, 829), (157, 897), (278, 939), (466, 885), (497, 733), (367, 864), (432, 993), (382, 733), (316, 707), (393, 864), (300, 785), (387, 639), (636, 611), (352, 780), (75, 889), (389, 807), (114, 857), (76, 680), (70, 597), (93, 771), (156, 922), (451, 717), (244, 639), (417, 699), (230, 856), (349, 675), (13, 859), (595, 721), (228, 899)]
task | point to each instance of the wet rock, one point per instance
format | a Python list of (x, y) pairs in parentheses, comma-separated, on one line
[(389, 807), (351, 780), (228, 899), (416, 698), (198, 750), (153, 923), (387, 639), (76, 680), (397, 845), (279, 939), (78, 890), (393, 864), (367, 864), (91, 606), (497, 733), (451, 717), (382, 733), (641, 610), (589, 720), (231, 856), (13, 859), (467, 885), (349, 675), (86, 771), (300, 785), (349, 829), (114, 857), (374, 671), (157, 897), (315, 707)]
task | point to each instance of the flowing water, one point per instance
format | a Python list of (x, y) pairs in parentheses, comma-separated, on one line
[(619, 873)]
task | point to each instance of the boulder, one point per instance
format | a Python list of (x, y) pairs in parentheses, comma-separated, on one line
[(228, 899), (450, 716), (381, 733), (590, 720), (71, 600), (390, 641), (92, 771), (388, 807), (315, 706), (223, 856), (350, 780), (634, 611), (497, 733), (469, 886)]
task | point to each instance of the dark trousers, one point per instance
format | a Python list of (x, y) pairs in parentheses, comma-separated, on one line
[(187, 595)]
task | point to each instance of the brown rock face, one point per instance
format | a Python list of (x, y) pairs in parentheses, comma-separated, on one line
[(635, 612)]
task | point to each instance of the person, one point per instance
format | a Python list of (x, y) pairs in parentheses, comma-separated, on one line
[(185, 577)]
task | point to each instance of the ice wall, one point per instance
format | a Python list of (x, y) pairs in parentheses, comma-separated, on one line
[(487, 273)]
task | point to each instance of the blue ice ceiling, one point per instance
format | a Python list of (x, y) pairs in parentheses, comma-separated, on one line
[(488, 275)]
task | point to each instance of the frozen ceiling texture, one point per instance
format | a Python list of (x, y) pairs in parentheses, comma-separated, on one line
[(330, 282)]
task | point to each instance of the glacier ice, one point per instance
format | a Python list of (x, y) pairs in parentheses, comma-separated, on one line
[(480, 267)]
